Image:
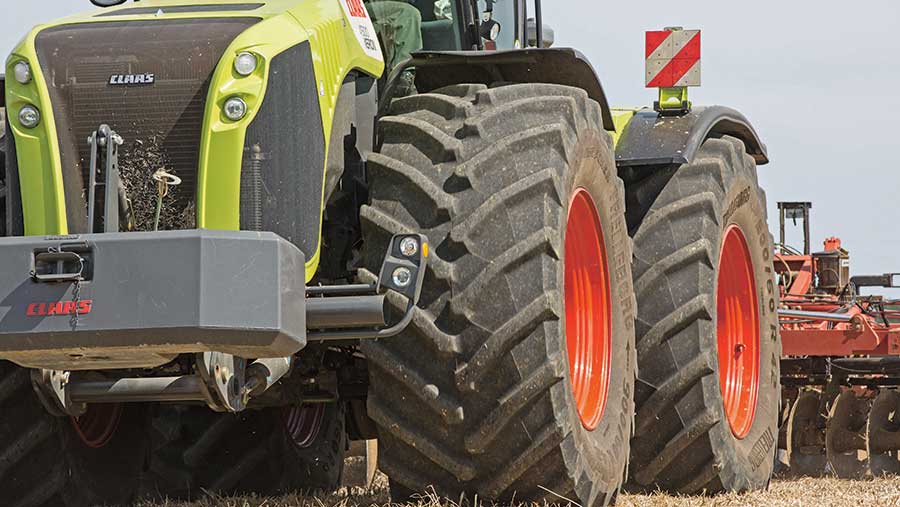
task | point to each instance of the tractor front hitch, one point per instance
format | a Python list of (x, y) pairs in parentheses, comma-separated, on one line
[(233, 303)]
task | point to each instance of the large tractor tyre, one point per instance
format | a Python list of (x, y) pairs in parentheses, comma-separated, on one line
[(708, 345), (268, 452), (515, 378), (48, 461)]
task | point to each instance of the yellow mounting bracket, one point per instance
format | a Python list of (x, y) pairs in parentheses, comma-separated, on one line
[(673, 101)]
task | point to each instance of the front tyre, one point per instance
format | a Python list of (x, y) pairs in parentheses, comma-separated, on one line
[(269, 451), (708, 343), (48, 461), (515, 378)]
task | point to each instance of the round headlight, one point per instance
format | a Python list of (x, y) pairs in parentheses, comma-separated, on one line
[(402, 277), (29, 117), (409, 246), (245, 63), (22, 72), (235, 108)]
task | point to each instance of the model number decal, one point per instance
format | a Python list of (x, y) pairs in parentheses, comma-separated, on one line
[(362, 27), (356, 8), (82, 307), (760, 450), (741, 199)]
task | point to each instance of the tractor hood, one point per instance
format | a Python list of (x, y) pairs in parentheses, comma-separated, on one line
[(172, 9)]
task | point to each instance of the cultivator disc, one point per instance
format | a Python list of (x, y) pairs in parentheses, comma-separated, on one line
[(860, 435), (883, 433), (806, 436), (845, 436)]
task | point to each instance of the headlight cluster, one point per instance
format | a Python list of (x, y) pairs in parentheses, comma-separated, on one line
[(245, 64), (29, 115), (409, 247)]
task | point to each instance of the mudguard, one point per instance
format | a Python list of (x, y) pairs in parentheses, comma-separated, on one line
[(650, 139), (560, 66)]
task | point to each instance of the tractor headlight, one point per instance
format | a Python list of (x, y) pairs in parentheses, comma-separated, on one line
[(409, 246), (402, 277), (22, 72), (235, 108), (245, 63), (29, 117)]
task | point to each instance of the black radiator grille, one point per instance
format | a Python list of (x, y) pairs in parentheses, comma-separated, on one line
[(160, 122), (284, 155)]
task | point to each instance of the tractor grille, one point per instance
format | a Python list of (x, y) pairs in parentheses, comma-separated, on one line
[(160, 122), (284, 155)]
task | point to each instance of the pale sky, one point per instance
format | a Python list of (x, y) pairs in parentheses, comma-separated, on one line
[(817, 79)]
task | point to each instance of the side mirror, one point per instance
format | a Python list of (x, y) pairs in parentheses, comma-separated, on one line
[(108, 3), (548, 35)]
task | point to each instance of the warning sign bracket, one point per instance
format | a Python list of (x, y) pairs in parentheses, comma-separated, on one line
[(673, 101)]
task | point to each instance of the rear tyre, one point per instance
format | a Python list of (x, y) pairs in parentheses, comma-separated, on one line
[(268, 452), (57, 461), (515, 378), (707, 329)]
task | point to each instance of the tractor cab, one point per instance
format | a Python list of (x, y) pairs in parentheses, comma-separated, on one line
[(406, 26)]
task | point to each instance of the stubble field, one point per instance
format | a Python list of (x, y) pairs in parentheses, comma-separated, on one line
[(782, 493)]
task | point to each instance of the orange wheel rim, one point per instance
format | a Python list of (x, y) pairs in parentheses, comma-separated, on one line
[(737, 332), (588, 309), (98, 424)]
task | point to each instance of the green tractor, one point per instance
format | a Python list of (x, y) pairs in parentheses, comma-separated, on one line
[(240, 234)]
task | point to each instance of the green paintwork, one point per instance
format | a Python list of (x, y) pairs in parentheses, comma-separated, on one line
[(284, 24), (40, 176), (673, 98), (621, 118)]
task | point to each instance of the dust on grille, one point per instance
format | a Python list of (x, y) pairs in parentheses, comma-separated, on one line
[(145, 158), (161, 122)]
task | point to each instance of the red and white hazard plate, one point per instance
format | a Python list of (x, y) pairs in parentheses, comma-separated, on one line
[(673, 58)]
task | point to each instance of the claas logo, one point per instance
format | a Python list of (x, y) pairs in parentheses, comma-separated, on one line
[(82, 307)]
